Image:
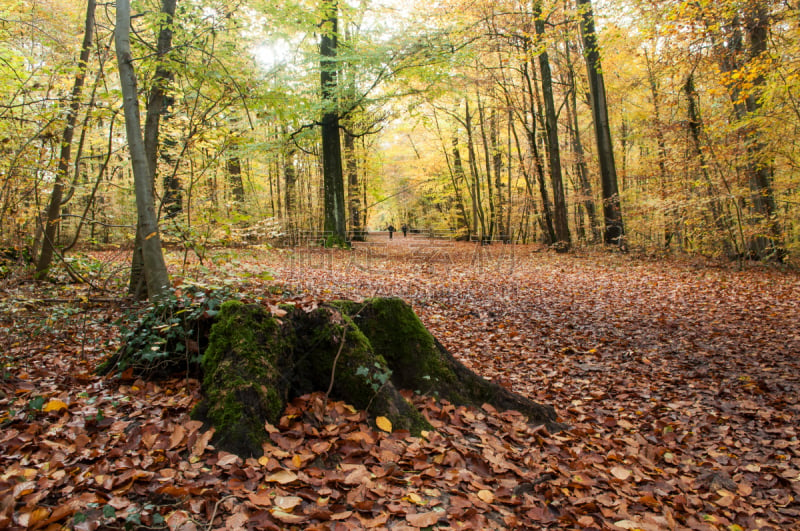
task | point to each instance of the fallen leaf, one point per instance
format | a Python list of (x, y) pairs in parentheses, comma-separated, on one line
[(287, 503), (486, 496), (621, 473), (424, 519), (54, 405), (384, 424), (283, 477)]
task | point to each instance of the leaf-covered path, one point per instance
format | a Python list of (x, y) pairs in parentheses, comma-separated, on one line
[(680, 384)]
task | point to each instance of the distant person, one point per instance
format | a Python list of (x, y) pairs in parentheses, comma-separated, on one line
[(391, 230), (404, 228)]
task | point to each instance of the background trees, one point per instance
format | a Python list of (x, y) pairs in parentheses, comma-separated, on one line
[(471, 118)]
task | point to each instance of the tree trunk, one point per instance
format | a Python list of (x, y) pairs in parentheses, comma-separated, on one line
[(528, 72), (487, 157), (362, 353), (563, 239), (353, 188), (233, 165), (290, 185), (695, 123), (53, 218), (581, 170), (157, 103), (332, 173), (477, 203), (457, 174), (768, 244), (153, 266), (614, 228)]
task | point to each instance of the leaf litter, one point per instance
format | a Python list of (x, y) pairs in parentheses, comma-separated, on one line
[(679, 384)]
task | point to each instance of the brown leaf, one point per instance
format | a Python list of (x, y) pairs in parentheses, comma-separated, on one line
[(424, 519)]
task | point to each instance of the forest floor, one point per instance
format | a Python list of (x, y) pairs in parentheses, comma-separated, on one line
[(680, 382)]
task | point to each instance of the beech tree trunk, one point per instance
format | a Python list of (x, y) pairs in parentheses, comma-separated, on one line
[(157, 103), (332, 172), (359, 352), (563, 240), (153, 266), (614, 228)]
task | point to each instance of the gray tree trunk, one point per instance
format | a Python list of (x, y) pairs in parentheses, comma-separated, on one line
[(153, 265), (157, 103)]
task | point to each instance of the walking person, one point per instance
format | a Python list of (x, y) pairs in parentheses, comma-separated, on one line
[(391, 230), (404, 228)]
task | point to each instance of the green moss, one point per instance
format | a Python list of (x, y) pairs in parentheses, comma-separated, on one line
[(397, 334), (362, 376), (242, 382)]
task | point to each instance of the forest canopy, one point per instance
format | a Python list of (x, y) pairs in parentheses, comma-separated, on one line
[(668, 125)]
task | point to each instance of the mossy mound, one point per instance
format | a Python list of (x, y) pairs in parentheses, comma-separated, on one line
[(421, 363), (361, 353)]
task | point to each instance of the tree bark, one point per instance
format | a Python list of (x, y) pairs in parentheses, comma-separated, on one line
[(612, 212), (153, 266), (768, 245), (563, 239), (478, 216), (487, 157), (233, 165), (581, 170), (353, 188), (332, 172), (53, 218), (528, 72), (157, 103)]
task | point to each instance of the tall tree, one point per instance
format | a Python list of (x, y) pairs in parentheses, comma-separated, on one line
[(154, 267), (53, 218), (551, 132), (332, 173), (758, 165), (614, 228), (157, 105)]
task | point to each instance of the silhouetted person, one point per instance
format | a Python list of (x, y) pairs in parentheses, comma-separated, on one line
[(391, 230), (404, 228)]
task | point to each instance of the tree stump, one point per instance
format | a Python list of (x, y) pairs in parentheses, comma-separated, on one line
[(359, 352)]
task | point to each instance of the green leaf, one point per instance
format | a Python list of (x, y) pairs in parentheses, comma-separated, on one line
[(36, 403), (109, 512)]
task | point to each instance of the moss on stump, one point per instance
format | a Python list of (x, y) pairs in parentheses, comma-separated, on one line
[(363, 352)]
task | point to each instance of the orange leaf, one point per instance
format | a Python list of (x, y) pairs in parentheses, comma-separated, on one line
[(486, 496), (54, 405)]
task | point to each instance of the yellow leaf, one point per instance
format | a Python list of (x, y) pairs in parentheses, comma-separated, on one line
[(296, 461), (486, 496), (384, 424), (263, 460), (151, 235), (55, 405), (413, 497)]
